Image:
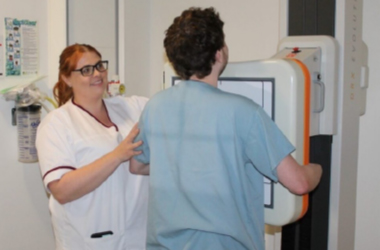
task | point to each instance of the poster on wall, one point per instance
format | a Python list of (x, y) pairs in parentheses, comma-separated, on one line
[(21, 47)]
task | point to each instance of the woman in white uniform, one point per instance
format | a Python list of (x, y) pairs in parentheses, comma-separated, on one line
[(84, 148)]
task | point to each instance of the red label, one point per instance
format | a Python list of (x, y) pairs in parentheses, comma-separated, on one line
[(290, 55)]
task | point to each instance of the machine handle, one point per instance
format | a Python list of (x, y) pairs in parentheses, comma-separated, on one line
[(321, 106)]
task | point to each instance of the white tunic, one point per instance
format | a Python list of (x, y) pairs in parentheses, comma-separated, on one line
[(69, 138)]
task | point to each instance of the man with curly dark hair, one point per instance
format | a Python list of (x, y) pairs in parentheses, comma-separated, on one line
[(192, 41), (207, 150)]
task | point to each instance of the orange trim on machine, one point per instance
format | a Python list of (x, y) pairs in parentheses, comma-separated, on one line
[(306, 131)]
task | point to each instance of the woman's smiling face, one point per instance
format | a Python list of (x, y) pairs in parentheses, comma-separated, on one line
[(86, 88)]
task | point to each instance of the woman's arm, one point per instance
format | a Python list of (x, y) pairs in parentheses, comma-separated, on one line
[(82, 181)]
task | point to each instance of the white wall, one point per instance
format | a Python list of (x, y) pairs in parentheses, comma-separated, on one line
[(368, 189), (24, 216), (147, 20)]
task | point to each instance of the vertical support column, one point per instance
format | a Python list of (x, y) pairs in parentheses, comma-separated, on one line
[(345, 145), (313, 17), (342, 19), (311, 232)]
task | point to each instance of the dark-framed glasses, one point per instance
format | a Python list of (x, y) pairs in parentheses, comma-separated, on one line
[(88, 70)]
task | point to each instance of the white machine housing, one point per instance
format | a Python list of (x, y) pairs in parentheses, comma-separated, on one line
[(320, 55)]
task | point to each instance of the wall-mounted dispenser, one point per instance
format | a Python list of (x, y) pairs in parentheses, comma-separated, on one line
[(27, 116)]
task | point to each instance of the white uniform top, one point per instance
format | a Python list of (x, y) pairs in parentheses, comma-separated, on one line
[(69, 138)]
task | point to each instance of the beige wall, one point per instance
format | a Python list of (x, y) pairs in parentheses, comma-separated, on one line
[(368, 189), (252, 32)]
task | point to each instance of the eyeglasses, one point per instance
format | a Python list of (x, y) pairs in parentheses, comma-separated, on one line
[(88, 70)]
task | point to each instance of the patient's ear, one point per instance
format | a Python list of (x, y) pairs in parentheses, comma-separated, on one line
[(219, 56)]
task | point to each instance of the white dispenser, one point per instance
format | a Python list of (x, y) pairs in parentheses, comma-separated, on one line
[(28, 119)]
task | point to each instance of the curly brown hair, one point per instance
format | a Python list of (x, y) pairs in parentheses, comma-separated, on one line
[(67, 63), (192, 41)]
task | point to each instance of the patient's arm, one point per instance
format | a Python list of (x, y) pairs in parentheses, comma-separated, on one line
[(136, 167)]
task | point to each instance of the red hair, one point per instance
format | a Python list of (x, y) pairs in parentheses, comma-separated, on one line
[(67, 62)]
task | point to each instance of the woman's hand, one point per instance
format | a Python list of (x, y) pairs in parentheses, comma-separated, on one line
[(86, 179), (126, 148)]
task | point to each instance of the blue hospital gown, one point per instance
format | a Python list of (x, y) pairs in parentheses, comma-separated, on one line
[(208, 151)]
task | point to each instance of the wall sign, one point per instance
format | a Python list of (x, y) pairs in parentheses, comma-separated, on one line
[(21, 47)]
